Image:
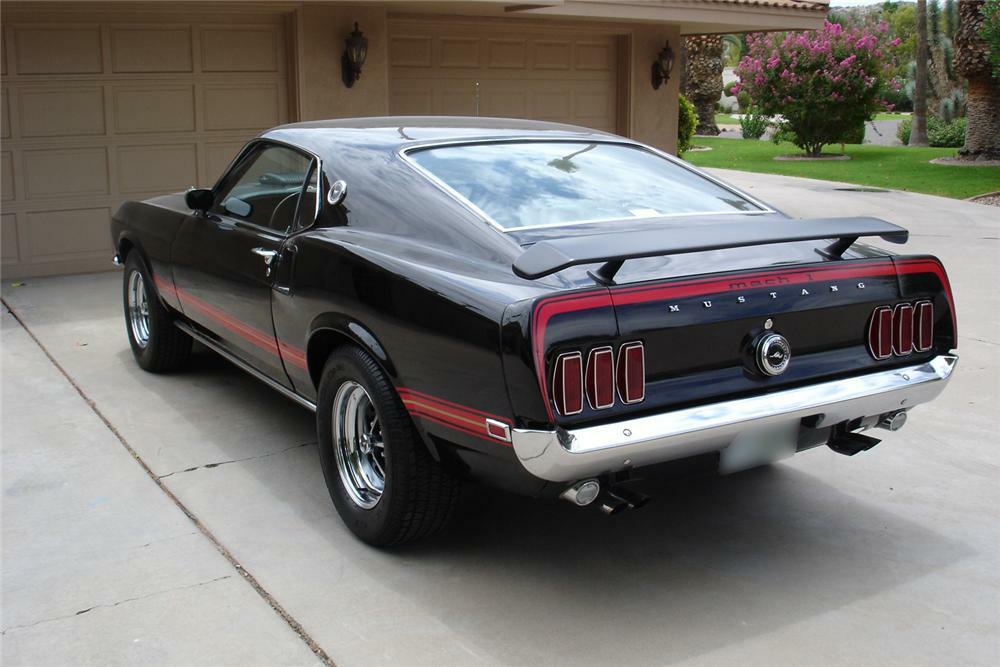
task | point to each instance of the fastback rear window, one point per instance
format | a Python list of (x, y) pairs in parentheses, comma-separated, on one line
[(540, 183)]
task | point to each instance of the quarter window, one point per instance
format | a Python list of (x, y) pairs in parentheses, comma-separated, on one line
[(265, 189)]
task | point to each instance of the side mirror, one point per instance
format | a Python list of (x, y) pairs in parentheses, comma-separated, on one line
[(199, 199)]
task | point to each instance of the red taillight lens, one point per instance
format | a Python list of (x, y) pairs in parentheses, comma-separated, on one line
[(902, 329), (567, 383), (880, 333), (601, 378), (631, 373), (923, 326)]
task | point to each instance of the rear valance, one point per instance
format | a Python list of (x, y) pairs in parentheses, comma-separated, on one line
[(547, 257)]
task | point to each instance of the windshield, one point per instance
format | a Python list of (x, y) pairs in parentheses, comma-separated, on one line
[(533, 184)]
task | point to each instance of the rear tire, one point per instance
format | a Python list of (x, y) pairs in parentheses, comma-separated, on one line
[(157, 345), (367, 441)]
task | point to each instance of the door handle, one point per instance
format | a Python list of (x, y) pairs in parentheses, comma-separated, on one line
[(268, 256)]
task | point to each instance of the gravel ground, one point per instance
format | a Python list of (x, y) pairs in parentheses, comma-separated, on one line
[(992, 199)]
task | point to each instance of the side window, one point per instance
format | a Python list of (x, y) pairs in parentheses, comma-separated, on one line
[(265, 188)]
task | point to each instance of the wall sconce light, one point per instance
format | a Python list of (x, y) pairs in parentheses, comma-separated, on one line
[(662, 66), (355, 51)]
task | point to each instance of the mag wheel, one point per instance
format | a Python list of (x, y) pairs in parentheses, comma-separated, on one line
[(383, 481), (156, 343)]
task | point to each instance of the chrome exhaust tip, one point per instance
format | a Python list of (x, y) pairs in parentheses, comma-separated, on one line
[(582, 493), (892, 421)]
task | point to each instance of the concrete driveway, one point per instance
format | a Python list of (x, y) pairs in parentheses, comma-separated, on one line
[(183, 519)]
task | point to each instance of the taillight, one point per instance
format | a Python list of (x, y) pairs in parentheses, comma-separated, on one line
[(880, 333), (901, 330), (601, 378), (630, 375), (567, 383), (923, 326)]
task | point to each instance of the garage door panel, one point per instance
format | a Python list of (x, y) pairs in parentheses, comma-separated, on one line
[(419, 102), (506, 104), (598, 57), (65, 172), (552, 105), (507, 53), (7, 175), (8, 238), (218, 155), (410, 51), (79, 50), (236, 49), (551, 55), (4, 116), (244, 107), (154, 109), (69, 233), (61, 112), (151, 49), (155, 169), (460, 52)]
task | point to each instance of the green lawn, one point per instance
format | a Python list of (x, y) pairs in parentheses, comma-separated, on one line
[(891, 116), (895, 167), (726, 119)]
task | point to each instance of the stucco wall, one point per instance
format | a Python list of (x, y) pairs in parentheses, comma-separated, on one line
[(320, 45), (654, 112)]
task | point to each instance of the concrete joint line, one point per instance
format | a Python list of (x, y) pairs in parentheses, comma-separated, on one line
[(248, 458), (221, 548), (115, 604)]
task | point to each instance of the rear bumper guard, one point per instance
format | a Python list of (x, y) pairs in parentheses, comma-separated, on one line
[(568, 455)]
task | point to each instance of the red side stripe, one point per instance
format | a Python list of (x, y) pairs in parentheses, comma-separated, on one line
[(253, 335), (452, 415)]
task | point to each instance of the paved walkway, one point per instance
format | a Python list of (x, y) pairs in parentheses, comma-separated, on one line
[(889, 557)]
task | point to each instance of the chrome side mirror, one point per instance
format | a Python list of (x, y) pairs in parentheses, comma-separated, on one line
[(336, 193)]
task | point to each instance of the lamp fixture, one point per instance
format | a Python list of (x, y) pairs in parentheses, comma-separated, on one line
[(355, 51), (662, 66)]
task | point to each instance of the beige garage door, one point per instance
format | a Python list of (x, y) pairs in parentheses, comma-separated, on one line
[(542, 73), (106, 108)]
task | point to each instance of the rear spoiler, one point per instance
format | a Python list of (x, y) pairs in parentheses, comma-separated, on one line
[(547, 257)]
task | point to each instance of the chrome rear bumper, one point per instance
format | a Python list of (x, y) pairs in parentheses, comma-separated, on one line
[(565, 456)]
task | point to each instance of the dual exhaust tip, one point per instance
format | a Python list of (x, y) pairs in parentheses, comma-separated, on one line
[(612, 500)]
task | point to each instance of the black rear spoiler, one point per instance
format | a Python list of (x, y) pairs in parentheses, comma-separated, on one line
[(547, 257)]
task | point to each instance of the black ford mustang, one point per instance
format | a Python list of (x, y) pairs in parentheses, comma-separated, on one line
[(547, 308)]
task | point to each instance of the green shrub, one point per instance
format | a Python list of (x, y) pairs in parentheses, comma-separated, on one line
[(783, 133), (947, 135), (854, 136), (687, 121), (753, 123), (939, 133)]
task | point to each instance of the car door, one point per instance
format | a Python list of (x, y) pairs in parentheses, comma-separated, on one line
[(225, 260)]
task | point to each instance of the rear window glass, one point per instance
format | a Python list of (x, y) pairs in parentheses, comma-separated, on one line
[(534, 184)]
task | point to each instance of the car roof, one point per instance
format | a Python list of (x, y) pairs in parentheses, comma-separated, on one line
[(398, 132)]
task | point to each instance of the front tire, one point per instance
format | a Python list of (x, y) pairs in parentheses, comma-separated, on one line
[(381, 478), (157, 345)]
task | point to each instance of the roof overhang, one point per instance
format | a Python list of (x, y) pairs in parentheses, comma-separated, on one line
[(693, 16)]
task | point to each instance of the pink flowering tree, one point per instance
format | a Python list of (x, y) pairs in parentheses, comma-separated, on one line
[(824, 83)]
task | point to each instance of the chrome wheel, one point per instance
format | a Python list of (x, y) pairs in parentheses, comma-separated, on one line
[(358, 445), (138, 309)]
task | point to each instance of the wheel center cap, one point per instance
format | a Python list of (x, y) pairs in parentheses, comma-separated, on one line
[(366, 444)]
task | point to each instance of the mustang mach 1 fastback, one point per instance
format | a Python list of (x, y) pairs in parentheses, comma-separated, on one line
[(550, 309)]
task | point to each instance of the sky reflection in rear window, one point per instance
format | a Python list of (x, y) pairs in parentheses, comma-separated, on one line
[(531, 184)]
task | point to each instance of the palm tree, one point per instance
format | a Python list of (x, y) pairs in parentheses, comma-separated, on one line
[(703, 78), (972, 60), (918, 132)]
